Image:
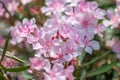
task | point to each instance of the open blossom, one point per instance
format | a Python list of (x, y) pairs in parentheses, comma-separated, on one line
[(37, 63), (87, 22), (114, 18), (58, 72), (12, 6), (54, 7), (26, 27), (16, 37), (87, 43), (23, 30), (92, 8), (68, 72), (55, 72), (99, 29)]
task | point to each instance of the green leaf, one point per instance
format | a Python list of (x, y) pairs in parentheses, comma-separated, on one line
[(97, 58), (19, 69), (81, 57), (5, 47), (2, 67), (84, 72), (1, 76), (101, 69)]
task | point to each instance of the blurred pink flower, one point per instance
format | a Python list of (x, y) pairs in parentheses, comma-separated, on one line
[(2, 10), (12, 6), (114, 44), (9, 63), (2, 41), (114, 18), (116, 47), (24, 2), (53, 7)]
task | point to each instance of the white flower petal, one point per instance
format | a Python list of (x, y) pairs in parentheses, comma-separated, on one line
[(95, 45), (88, 49)]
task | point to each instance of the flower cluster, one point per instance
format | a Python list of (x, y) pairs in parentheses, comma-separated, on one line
[(9, 63), (11, 6), (113, 21), (68, 31), (113, 16)]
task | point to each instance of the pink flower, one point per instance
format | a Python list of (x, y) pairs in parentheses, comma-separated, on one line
[(15, 36), (69, 72), (25, 30), (27, 27), (37, 63), (68, 31), (54, 7), (55, 72), (99, 29), (2, 41), (114, 18), (92, 45), (2, 10), (87, 22), (116, 47), (12, 6), (70, 50), (89, 44), (72, 15), (9, 63), (6, 1), (114, 44), (97, 12)]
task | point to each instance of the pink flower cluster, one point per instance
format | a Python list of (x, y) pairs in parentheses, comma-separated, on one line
[(114, 44), (9, 63), (113, 21), (11, 6), (113, 16), (68, 31)]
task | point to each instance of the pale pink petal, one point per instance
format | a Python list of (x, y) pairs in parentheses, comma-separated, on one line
[(88, 49), (95, 45)]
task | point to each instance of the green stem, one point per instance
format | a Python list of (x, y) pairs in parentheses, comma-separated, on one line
[(96, 59), (8, 54)]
